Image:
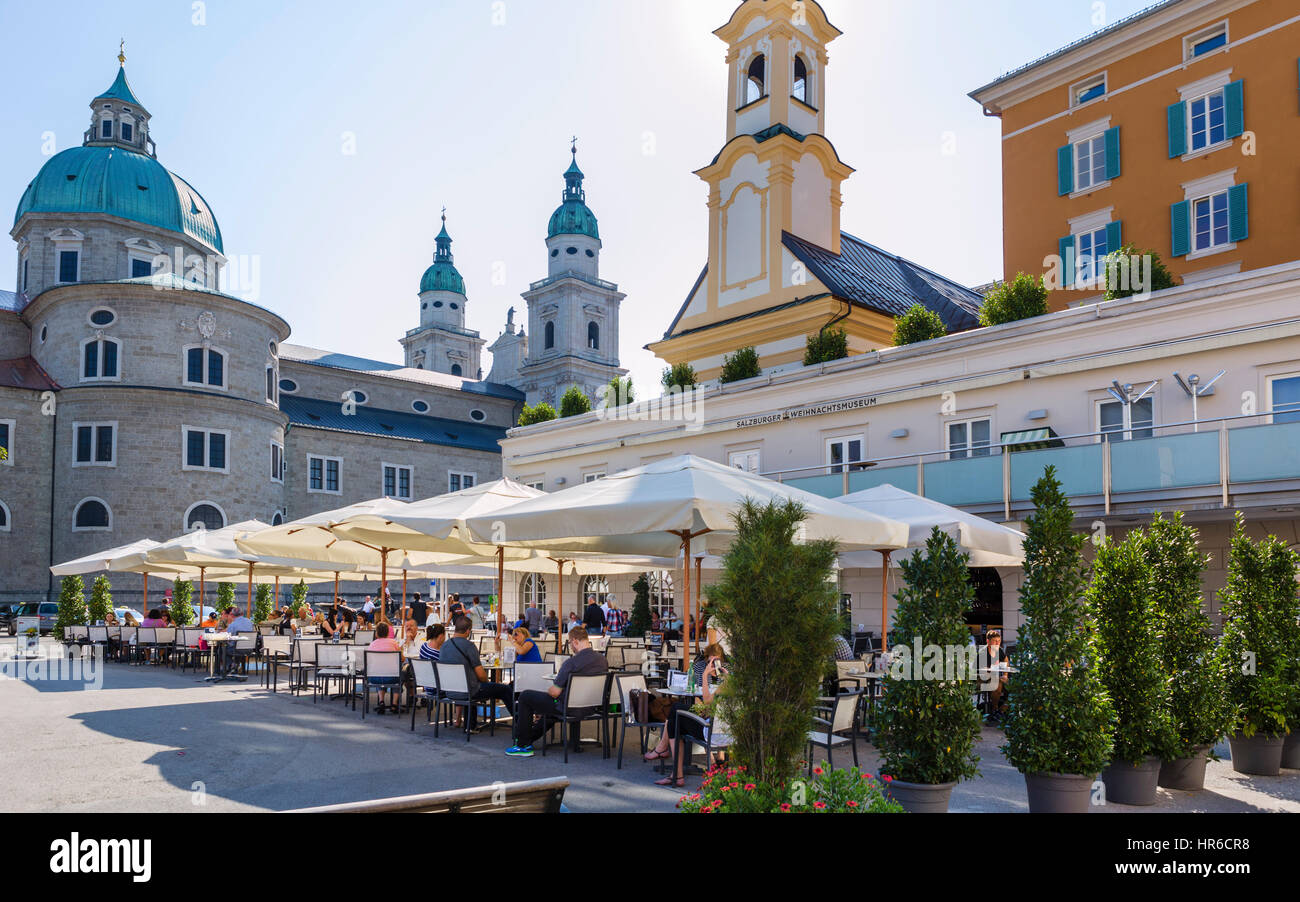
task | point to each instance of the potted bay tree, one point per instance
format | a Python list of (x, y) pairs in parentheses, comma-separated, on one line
[(928, 726), (1259, 613), (1131, 669), (1059, 723), (1197, 703)]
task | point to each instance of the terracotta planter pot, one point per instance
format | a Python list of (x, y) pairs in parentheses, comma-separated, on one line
[(1260, 755), (921, 798), (1291, 750), (1059, 793), (1132, 784), (1187, 774)]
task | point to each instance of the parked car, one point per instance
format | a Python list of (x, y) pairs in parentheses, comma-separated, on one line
[(8, 609), (47, 611)]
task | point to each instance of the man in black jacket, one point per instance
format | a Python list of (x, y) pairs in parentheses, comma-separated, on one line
[(594, 618)]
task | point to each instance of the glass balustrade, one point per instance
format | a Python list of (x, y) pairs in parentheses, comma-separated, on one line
[(1264, 453), (975, 480), (1165, 462), (1078, 468)]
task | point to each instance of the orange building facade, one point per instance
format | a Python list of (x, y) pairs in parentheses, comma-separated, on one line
[(1176, 130)]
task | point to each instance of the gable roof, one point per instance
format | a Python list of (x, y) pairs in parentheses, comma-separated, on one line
[(310, 413), (13, 303), (332, 360), (25, 372)]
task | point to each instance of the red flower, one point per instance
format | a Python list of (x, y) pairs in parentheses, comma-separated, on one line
[(819, 805), (851, 803), (887, 778), (750, 787), (868, 777), (818, 771), (726, 789), (785, 806)]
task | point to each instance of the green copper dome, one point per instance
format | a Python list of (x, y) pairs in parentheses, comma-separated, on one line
[(121, 183), (443, 275), (574, 217)]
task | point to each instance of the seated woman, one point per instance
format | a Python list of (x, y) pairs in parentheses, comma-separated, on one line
[(321, 623), (526, 650), (128, 619), (434, 637), (709, 667), (552, 622), (151, 619), (389, 686)]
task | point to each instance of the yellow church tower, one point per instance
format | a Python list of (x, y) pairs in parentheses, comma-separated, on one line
[(779, 267)]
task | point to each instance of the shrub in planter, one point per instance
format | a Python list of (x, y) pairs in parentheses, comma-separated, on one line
[(1060, 719), (574, 403), (182, 607), (1131, 669), (225, 597), (540, 412), (262, 604), (741, 365), (299, 594), (826, 346), (927, 726), (72, 604), (731, 790), (778, 610), (918, 324), (101, 600), (1197, 703), (1259, 611), (639, 624)]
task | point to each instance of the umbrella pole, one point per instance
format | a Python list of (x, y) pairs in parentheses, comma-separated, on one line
[(699, 562), (501, 584), (884, 601), (686, 608), (559, 627), (383, 585), (277, 593), (336, 588), (202, 570), (250, 591), (146, 590), (403, 601)]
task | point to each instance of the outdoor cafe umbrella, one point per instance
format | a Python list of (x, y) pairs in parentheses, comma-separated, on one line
[(659, 509), (989, 544), (313, 539), (436, 525), (122, 559)]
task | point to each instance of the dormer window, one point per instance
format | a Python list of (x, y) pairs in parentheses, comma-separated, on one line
[(106, 128), (1206, 41), (800, 79), (756, 80)]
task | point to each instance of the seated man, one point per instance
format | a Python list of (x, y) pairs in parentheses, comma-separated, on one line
[(533, 703), (460, 650), (994, 654), (239, 623)]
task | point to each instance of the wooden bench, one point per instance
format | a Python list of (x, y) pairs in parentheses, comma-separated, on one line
[(531, 796)]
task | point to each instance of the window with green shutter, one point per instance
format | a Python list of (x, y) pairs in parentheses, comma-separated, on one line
[(1180, 215), (1177, 117), (1065, 247), (1238, 214), (1112, 153), (1065, 170)]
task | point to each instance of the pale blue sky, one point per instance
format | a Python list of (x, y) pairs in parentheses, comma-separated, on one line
[(449, 105)]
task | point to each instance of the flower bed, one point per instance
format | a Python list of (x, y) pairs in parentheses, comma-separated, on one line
[(729, 790)]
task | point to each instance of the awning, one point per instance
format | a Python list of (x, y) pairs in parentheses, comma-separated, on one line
[(1031, 440)]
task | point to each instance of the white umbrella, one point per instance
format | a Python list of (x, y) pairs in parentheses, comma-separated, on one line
[(123, 559), (655, 510), (989, 544)]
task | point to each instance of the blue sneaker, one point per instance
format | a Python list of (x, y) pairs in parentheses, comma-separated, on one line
[(518, 751)]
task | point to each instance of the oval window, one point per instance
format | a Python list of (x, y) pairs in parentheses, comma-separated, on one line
[(437, 304), (45, 331), (477, 416), (591, 253), (455, 306), (420, 406), (555, 253), (103, 317), (359, 396), (572, 251), (288, 386), (274, 349)]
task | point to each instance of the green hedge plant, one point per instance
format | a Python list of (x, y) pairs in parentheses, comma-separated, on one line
[(679, 376), (541, 412), (182, 602), (1023, 297), (574, 403), (1259, 614), (775, 603), (1129, 650), (101, 600), (918, 324), (1059, 716), (741, 365), (639, 624), (826, 346), (927, 726), (225, 597), (72, 604), (1196, 699), (262, 604)]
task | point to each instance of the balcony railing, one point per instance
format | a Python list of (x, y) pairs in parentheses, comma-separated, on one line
[(1199, 464)]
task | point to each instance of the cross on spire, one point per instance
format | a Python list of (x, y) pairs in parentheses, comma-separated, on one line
[(121, 52)]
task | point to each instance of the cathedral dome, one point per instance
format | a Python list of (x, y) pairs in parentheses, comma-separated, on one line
[(574, 217), (443, 275), (123, 183)]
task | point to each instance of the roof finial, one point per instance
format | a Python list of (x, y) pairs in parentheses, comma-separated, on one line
[(121, 52), (444, 216), (574, 149)]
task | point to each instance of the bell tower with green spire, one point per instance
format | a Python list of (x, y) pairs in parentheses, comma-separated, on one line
[(442, 343), (572, 313), (118, 118)]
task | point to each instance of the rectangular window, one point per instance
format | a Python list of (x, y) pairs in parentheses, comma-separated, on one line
[(205, 366), (205, 449), (323, 475), (99, 359), (25, 262), (538, 486), (457, 482), (126, 131), (845, 453), (1210, 222), (277, 462), (592, 477), (106, 128), (970, 438), (1088, 90), (1207, 120), (397, 482), (1089, 163), (1284, 397), (95, 444), (6, 441), (1092, 252), (141, 269), (270, 384), (1206, 41), (1122, 422), (68, 267), (194, 366), (216, 368), (747, 461)]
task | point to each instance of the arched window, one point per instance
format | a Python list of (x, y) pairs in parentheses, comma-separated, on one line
[(204, 516), (99, 359), (800, 78), (550, 335), (92, 514), (756, 80), (593, 336), (532, 590), (277, 519), (661, 593), (456, 370), (596, 586), (5, 524)]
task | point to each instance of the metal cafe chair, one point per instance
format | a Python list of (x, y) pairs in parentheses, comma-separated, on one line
[(841, 718)]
